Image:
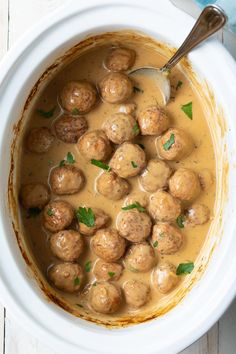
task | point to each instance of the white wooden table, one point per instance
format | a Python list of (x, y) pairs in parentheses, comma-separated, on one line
[(16, 16)]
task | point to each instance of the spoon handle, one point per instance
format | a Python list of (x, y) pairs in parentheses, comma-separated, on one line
[(211, 19)]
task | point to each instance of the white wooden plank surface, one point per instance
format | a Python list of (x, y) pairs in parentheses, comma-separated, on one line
[(16, 16)]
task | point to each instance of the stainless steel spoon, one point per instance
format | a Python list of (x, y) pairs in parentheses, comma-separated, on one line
[(211, 19)]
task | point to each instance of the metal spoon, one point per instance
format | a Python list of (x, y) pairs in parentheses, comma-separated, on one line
[(211, 19)]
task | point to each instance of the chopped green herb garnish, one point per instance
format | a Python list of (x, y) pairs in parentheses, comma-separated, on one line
[(100, 164), (134, 164), (75, 111), (46, 114), (136, 129), (79, 305), (188, 109), (111, 274), (85, 216), (180, 221), (137, 89), (69, 159), (169, 142), (50, 212), (77, 281), (135, 205), (184, 268), (33, 212), (179, 84), (155, 244), (62, 163), (142, 146), (88, 266)]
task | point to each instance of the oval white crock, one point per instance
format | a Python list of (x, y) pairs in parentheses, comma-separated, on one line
[(19, 71)]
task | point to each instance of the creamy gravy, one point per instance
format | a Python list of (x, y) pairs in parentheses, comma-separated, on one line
[(34, 168)]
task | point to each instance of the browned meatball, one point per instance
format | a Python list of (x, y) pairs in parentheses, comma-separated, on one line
[(67, 245), (108, 244), (105, 298), (57, 215), (95, 145), (34, 195), (120, 59), (66, 276), (133, 225), (78, 97), (184, 184), (101, 220), (136, 293), (164, 207), (128, 160), (197, 214), (116, 88), (105, 271), (153, 120), (168, 238), (139, 197), (175, 145), (112, 186), (140, 258), (165, 278), (155, 176), (66, 180), (121, 127), (39, 140), (69, 129)]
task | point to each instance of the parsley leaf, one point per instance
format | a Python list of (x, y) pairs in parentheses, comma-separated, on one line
[(33, 212), (137, 89), (100, 164), (169, 142), (50, 212), (85, 216), (155, 244), (75, 111), (77, 281), (135, 205), (62, 163), (179, 84), (46, 114), (136, 129), (180, 221), (69, 159), (184, 268), (188, 109), (111, 274), (134, 164), (88, 266)]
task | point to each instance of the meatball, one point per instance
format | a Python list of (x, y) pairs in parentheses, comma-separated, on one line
[(128, 108), (128, 160), (105, 298), (197, 214), (164, 207), (34, 195), (120, 59), (140, 198), (153, 120), (136, 293), (168, 238), (140, 258), (69, 129), (104, 271), (175, 145), (78, 97), (66, 180), (67, 245), (133, 225), (108, 245), (39, 140), (184, 184), (121, 127), (101, 220), (94, 145), (165, 278), (155, 175), (66, 276), (57, 215), (116, 88), (112, 186)]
